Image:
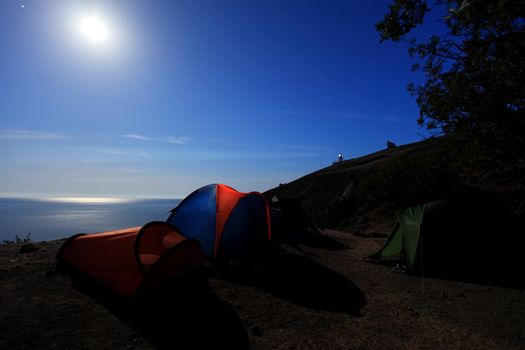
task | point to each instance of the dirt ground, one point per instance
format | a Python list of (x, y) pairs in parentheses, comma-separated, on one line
[(304, 297)]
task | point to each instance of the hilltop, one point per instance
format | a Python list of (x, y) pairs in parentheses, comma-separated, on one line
[(359, 193), (346, 194)]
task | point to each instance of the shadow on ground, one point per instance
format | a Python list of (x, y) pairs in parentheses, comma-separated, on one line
[(298, 280), (310, 237), (184, 314), (291, 225)]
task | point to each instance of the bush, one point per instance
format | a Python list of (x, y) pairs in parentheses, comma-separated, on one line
[(408, 181), (27, 239), (27, 248)]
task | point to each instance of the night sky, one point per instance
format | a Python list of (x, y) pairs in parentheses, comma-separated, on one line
[(157, 98)]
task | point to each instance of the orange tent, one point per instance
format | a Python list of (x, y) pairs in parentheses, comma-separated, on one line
[(130, 260)]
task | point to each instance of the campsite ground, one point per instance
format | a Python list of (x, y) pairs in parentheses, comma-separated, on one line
[(304, 297)]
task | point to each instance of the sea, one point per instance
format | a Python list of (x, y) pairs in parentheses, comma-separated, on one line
[(45, 219)]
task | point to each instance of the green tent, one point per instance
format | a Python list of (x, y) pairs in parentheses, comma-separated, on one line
[(475, 239), (406, 238)]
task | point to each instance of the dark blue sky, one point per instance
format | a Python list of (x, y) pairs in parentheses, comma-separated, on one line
[(178, 94)]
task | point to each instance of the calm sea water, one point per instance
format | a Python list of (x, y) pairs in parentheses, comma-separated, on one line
[(53, 219)]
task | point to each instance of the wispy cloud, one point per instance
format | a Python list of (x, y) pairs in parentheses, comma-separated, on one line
[(117, 152), (138, 137), (390, 118), (20, 134), (178, 140)]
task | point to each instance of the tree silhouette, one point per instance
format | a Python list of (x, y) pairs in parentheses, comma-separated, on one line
[(475, 72)]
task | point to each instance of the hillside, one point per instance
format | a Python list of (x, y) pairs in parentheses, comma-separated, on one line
[(359, 193), (345, 194)]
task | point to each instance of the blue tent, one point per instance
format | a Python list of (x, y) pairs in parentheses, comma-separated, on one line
[(227, 223)]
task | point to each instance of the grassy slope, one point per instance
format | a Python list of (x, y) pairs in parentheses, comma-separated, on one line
[(365, 191), (344, 195)]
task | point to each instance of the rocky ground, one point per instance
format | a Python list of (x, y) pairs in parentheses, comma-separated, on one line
[(304, 297)]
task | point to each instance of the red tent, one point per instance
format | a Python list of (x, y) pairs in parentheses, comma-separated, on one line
[(130, 259)]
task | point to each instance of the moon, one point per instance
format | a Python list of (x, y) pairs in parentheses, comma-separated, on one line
[(94, 29)]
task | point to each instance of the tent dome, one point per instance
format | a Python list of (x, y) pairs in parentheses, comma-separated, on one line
[(227, 223)]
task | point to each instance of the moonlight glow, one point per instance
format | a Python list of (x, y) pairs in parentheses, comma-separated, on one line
[(94, 29)]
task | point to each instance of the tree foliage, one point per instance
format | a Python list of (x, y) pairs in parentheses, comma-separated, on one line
[(475, 72)]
